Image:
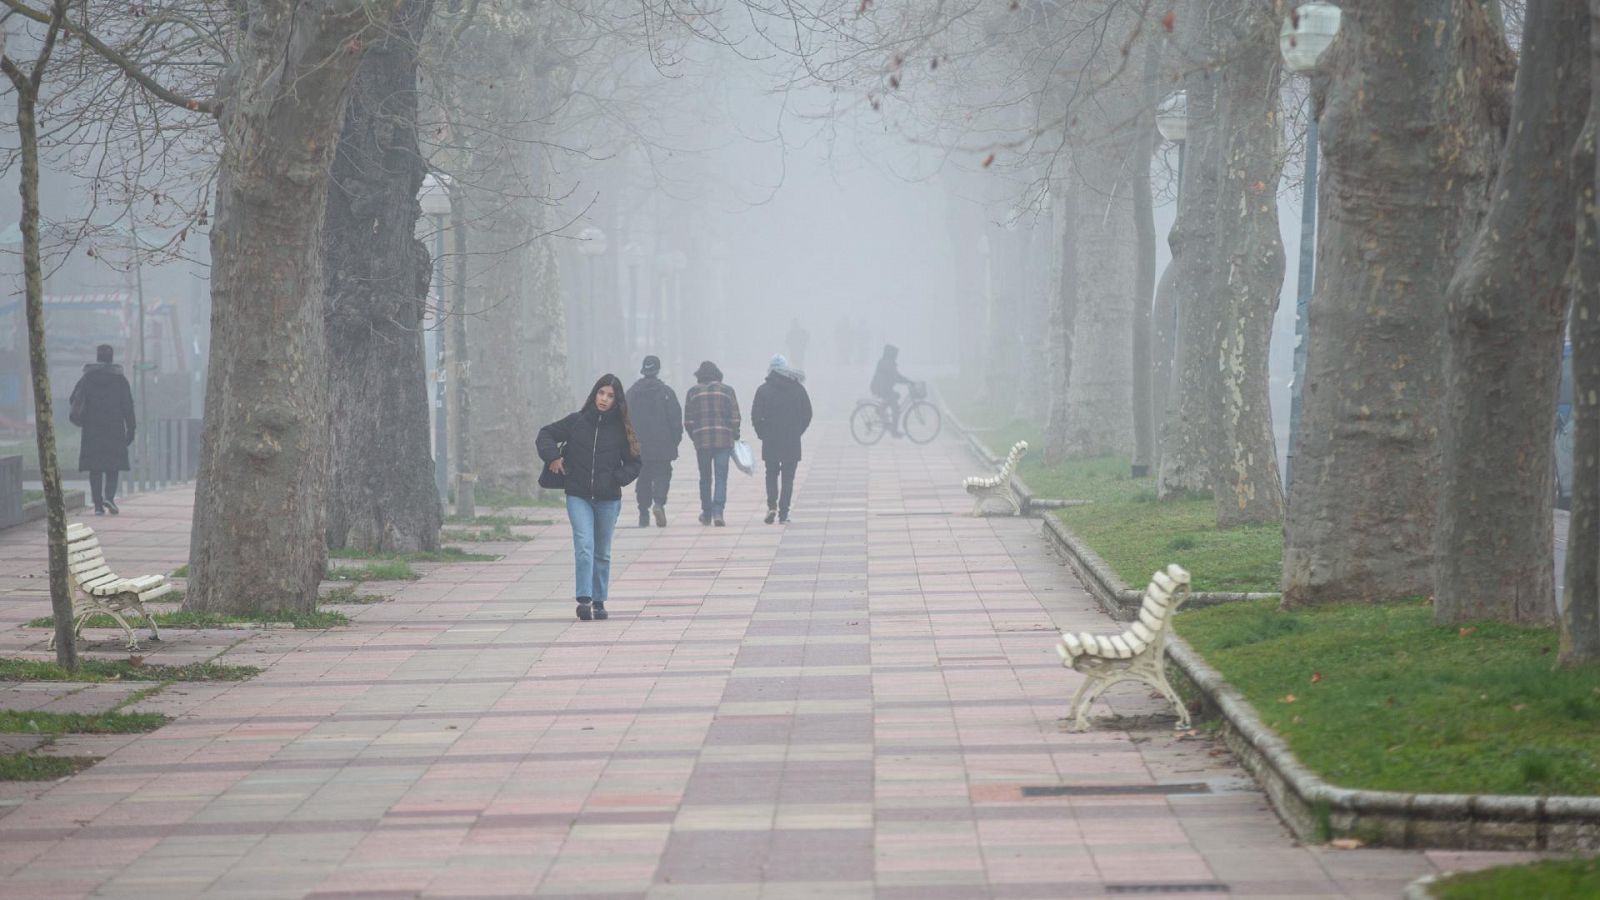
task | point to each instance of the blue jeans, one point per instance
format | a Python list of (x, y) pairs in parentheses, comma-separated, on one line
[(713, 499), (593, 522)]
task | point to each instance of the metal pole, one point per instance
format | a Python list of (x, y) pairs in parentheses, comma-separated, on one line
[(1302, 304), (141, 366), (441, 424)]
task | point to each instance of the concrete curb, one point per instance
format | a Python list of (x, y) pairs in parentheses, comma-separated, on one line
[(1030, 501), (34, 510)]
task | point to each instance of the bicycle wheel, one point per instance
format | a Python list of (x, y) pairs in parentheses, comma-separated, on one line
[(866, 424), (922, 422)]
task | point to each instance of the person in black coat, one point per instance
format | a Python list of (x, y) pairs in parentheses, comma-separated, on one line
[(658, 420), (593, 454), (780, 414), (102, 405)]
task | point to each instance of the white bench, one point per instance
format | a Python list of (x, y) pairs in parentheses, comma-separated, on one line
[(103, 591), (998, 486), (1137, 654)]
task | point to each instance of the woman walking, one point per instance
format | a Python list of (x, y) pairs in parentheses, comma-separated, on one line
[(594, 454), (781, 413)]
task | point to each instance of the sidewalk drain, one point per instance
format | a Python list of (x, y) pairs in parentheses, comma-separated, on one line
[(1100, 790), (1168, 887)]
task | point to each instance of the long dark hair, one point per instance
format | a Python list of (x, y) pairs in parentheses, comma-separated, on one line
[(620, 405)]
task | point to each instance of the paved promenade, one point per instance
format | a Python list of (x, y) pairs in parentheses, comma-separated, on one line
[(864, 703)]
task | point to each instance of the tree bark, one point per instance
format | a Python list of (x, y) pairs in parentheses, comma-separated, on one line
[(1144, 281), (1063, 321), (1163, 347), (382, 495), (1187, 427), (260, 497), (1244, 457), (1100, 394), (1580, 615), (26, 85), (1405, 183), (1507, 310)]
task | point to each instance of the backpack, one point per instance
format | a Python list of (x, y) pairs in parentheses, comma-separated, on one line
[(80, 402)]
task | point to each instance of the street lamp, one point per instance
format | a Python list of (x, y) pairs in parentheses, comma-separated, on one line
[(1307, 34), (434, 197), (591, 243)]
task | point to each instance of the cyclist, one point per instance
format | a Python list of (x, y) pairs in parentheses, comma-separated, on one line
[(884, 383)]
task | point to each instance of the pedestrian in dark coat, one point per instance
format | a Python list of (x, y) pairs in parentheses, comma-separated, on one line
[(102, 405), (658, 421), (780, 414), (596, 454), (711, 416)]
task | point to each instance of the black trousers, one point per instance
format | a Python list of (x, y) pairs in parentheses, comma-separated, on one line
[(103, 487), (655, 476), (780, 472)]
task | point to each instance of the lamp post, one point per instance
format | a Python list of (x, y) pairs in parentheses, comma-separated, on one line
[(1172, 121), (434, 197), (1307, 33), (591, 243)]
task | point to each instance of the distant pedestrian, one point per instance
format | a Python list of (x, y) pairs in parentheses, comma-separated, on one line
[(711, 416), (886, 381), (658, 421), (102, 405), (780, 414), (595, 453), (796, 341)]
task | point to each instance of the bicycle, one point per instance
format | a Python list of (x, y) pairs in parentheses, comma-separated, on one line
[(919, 420)]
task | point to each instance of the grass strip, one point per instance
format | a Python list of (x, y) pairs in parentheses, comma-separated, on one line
[(30, 496), (443, 554), (349, 596), (183, 618), (40, 722), (382, 570), (498, 500), (1377, 696), (1554, 879), (32, 767), (498, 521), (483, 535), (181, 571), (98, 670)]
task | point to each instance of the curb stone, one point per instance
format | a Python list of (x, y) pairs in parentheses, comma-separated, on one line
[(1422, 888)]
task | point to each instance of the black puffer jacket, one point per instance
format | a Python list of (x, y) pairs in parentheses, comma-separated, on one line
[(781, 413), (657, 418), (593, 448)]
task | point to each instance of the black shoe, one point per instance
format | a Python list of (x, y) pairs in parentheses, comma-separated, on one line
[(600, 610), (99, 510), (718, 522), (111, 507), (584, 612), (644, 518), (783, 519), (661, 516), (705, 519), (771, 514)]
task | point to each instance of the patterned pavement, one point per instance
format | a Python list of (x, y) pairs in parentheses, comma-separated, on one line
[(864, 703)]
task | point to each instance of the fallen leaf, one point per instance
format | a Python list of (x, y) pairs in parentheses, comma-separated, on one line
[(1346, 844), (1168, 19), (1467, 632), (1519, 707), (988, 161), (136, 661), (1316, 677), (1288, 698)]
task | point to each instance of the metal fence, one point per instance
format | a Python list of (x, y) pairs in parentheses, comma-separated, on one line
[(166, 454)]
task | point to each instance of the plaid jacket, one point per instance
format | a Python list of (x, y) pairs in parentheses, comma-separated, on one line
[(711, 416)]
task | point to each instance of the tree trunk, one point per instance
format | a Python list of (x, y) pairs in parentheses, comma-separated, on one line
[(1100, 395), (1580, 615), (260, 497), (1244, 457), (27, 88), (1144, 281), (382, 495), (1188, 425), (1063, 320), (1000, 357), (547, 329), (1163, 346), (1405, 183), (1507, 311)]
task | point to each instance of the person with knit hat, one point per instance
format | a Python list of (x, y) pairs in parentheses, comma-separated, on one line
[(711, 417), (780, 414), (658, 421)]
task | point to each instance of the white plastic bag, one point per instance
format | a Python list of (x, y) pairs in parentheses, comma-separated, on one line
[(743, 458)]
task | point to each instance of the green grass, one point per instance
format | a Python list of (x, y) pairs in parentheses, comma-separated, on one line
[(1384, 699), (181, 571), (1555, 879), (348, 596), (31, 767), (496, 521), (38, 722), (443, 554), (383, 570), (506, 499), (483, 535), (183, 618), (30, 496), (67, 441), (98, 670), (1135, 534)]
